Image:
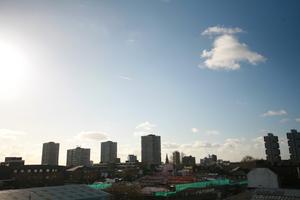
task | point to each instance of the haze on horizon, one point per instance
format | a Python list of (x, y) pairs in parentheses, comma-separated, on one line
[(209, 77)]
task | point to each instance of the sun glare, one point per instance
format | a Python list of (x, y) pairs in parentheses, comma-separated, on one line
[(13, 70)]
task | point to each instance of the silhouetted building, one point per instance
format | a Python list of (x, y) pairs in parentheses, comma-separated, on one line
[(82, 174), (272, 148), (108, 152), (188, 161), (38, 175), (167, 159), (78, 156), (294, 144), (151, 150), (50, 153), (132, 158), (13, 162), (210, 160), (213, 157), (117, 160), (176, 158)]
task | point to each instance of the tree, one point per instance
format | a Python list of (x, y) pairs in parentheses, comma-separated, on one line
[(248, 159), (124, 191)]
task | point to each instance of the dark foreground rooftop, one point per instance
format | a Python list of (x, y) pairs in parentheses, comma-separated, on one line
[(66, 192)]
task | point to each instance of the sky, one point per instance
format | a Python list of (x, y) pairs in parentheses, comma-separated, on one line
[(209, 77)]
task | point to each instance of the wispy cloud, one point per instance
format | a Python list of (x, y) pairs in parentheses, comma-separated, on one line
[(125, 78), (170, 145), (218, 30), (144, 128), (271, 113), (11, 134), (92, 135), (227, 52), (130, 40), (241, 102), (212, 132), (284, 120), (297, 119), (194, 130)]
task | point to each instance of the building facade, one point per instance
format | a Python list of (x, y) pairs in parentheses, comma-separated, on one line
[(151, 150), (272, 148), (13, 162), (188, 160), (294, 144), (108, 152), (38, 175), (176, 158), (210, 160), (50, 153), (132, 158), (78, 156)]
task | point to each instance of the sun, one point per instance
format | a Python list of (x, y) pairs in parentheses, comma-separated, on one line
[(13, 70)]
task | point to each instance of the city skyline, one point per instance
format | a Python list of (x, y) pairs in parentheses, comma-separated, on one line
[(151, 153), (197, 73)]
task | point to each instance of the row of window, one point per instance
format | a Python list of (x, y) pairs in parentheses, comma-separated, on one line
[(35, 170)]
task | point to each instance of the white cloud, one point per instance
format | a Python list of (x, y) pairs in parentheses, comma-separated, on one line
[(217, 30), (170, 145), (92, 135), (125, 78), (10, 134), (284, 120), (144, 128), (194, 130), (258, 142), (201, 144), (241, 102), (233, 149), (227, 52), (131, 40), (270, 113), (297, 119), (212, 132), (16, 143)]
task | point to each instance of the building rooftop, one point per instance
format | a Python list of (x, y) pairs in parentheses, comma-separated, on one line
[(276, 194), (66, 192)]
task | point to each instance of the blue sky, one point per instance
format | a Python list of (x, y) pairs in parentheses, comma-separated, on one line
[(98, 70)]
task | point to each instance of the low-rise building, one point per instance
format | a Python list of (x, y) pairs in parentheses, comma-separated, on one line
[(38, 175), (13, 162), (132, 158), (82, 174), (188, 160)]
